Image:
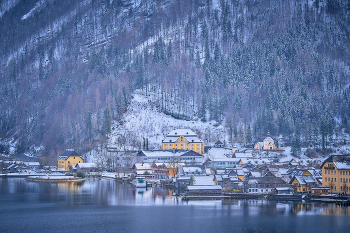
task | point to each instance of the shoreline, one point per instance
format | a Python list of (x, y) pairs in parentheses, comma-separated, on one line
[(54, 179)]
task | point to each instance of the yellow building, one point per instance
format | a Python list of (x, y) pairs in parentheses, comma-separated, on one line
[(68, 159), (336, 173), (183, 139), (303, 183)]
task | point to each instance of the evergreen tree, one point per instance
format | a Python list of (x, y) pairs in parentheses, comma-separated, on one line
[(107, 121), (89, 127), (249, 135)]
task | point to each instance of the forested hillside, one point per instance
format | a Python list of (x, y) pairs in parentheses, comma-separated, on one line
[(68, 68)]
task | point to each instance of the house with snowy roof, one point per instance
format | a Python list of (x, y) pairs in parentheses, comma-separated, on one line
[(336, 173), (265, 184), (68, 159), (304, 183), (142, 169), (190, 170), (242, 155), (86, 167), (183, 139), (182, 156), (224, 162), (267, 144), (204, 184)]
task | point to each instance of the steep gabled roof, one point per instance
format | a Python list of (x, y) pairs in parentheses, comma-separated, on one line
[(67, 154), (339, 159)]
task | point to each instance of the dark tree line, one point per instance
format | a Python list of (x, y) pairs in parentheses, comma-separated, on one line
[(69, 69)]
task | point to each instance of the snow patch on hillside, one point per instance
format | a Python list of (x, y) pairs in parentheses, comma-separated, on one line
[(36, 7), (6, 6), (144, 119)]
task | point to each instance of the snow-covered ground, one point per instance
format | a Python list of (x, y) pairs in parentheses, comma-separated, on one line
[(144, 119)]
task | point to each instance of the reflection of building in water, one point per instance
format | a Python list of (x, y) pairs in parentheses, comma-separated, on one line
[(71, 186), (337, 210), (300, 207), (320, 209)]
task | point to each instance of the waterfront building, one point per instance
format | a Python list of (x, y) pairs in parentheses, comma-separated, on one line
[(304, 183), (86, 167), (336, 173), (183, 139), (68, 159), (266, 184)]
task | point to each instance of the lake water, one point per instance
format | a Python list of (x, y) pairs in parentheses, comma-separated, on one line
[(109, 206)]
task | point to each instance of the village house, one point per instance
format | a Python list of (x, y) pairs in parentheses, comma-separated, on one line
[(224, 162), (336, 173), (143, 169), (186, 157), (32, 165), (160, 171), (190, 170), (320, 190), (267, 144), (86, 167), (304, 183), (204, 184), (266, 184), (68, 159), (243, 155), (219, 144), (183, 139)]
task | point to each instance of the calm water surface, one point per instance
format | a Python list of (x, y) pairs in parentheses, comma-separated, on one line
[(108, 206)]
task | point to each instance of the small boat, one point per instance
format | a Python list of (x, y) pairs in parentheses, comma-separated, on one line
[(140, 183)]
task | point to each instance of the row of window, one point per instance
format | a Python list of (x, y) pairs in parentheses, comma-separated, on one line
[(330, 179), (256, 190), (224, 163), (345, 180), (330, 172), (344, 173), (344, 188)]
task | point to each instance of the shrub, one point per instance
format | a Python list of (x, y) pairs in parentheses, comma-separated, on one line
[(81, 174)]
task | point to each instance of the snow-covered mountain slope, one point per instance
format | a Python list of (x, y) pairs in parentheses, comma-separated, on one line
[(144, 119)]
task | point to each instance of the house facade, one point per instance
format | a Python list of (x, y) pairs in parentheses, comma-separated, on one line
[(265, 184), (183, 139), (186, 157), (267, 144), (336, 173), (68, 159), (304, 183)]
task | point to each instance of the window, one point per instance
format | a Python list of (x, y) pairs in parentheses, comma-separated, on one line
[(335, 172), (329, 172), (332, 172), (335, 179), (341, 180)]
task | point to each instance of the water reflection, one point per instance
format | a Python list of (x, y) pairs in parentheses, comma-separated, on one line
[(102, 192)]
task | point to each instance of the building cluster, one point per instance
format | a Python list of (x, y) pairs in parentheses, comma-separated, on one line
[(184, 162), (18, 166)]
